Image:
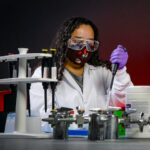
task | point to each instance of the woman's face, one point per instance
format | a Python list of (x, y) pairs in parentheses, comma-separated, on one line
[(83, 33)]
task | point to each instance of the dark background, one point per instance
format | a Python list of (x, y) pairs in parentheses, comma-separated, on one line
[(33, 25)]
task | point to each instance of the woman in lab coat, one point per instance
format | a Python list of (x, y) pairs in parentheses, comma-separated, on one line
[(84, 80)]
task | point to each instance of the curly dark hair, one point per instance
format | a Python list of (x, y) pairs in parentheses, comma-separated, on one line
[(62, 37)]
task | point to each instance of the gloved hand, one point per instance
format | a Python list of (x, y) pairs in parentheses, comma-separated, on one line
[(120, 56)]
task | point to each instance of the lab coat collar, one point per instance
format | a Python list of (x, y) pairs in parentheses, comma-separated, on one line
[(89, 67), (70, 80), (68, 77)]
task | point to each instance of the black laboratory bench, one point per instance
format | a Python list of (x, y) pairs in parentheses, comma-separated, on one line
[(74, 144)]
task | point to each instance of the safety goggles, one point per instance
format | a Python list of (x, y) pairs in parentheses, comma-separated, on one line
[(79, 43)]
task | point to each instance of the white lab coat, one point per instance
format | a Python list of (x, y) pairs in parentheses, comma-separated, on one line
[(96, 82)]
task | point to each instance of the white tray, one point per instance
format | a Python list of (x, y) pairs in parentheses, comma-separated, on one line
[(25, 80), (27, 56)]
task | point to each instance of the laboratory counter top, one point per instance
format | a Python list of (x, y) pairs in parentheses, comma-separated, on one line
[(74, 143)]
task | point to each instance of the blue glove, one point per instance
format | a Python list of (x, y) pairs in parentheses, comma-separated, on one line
[(120, 56)]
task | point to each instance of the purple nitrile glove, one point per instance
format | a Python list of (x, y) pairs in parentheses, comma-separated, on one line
[(120, 56)]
